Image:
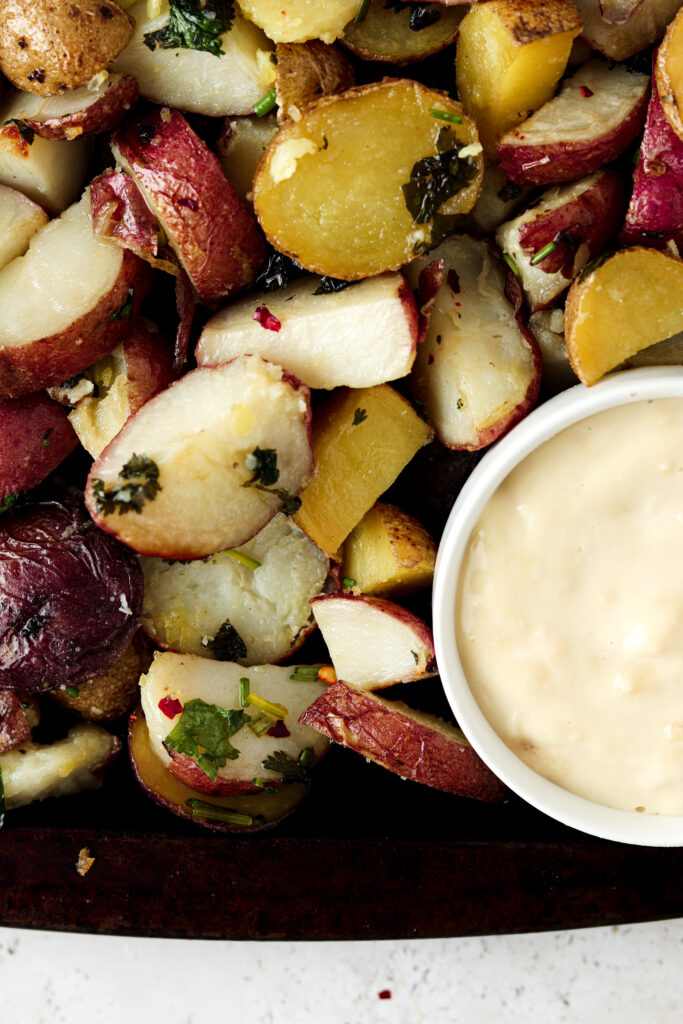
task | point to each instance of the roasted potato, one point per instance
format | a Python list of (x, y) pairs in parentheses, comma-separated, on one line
[(18, 715), (55, 45), (389, 553), (307, 71), (669, 74), (20, 218), (241, 144), (402, 34), (113, 692), (50, 173), (300, 20)]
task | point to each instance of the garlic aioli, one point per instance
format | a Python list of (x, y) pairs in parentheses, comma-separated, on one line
[(569, 615)]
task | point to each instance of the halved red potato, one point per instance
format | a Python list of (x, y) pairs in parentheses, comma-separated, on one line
[(50, 173), (70, 596), (241, 144), (122, 382), (478, 371), (300, 20), (120, 215), (20, 218), (655, 212), (18, 715), (213, 235), (624, 305), (498, 200), (572, 223), (645, 25), (193, 742), (595, 116), (669, 74), (410, 743), (84, 111), (250, 813), (207, 463), (66, 303), (195, 80), (348, 190), (357, 337), (307, 71), (374, 643), (262, 589), (34, 772), (399, 34), (35, 436)]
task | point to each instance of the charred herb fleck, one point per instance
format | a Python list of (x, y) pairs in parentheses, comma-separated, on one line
[(421, 15), (227, 645), (434, 179), (263, 464), (359, 416), (291, 770), (331, 284), (124, 311), (194, 26), (27, 133), (203, 732), (142, 484), (277, 272)]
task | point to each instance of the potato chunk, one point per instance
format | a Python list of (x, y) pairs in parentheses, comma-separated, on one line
[(299, 20), (509, 58), (350, 190), (669, 74), (389, 553), (630, 302)]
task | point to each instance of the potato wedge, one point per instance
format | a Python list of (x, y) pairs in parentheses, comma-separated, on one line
[(389, 554), (403, 34), (307, 71), (626, 304), (510, 56), (88, 110), (645, 24), (669, 74), (50, 173), (362, 439), (241, 144), (300, 20), (48, 48), (348, 189), (20, 218), (115, 691)]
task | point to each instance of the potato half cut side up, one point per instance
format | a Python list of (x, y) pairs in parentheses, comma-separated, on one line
[(344, 190), (204, 465)]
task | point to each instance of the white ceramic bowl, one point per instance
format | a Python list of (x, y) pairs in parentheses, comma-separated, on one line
[(560, 412)]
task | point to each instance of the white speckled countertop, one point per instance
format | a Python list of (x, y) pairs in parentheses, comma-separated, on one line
[(626, 975)]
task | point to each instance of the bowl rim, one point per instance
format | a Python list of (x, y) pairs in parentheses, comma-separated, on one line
[(544, 422)]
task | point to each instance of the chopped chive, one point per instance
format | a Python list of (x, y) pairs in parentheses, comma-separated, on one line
[(348, 582), (362, 12), (244, 692), (306, 757), (263, 784), (511, 264), (265, 104), (212, 812), (542, 253), (275, 710), (260, 724), (72, 691), (250, 563), (305, 673), (445, 115)]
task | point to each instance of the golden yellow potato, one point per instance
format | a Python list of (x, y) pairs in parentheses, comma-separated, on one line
[(389, 553), (52, 46), (299, 20)]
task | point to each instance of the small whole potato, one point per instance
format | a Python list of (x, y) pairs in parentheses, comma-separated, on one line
[(52, 46), (113, 692)]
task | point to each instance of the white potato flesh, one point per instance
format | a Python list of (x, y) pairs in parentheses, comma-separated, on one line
[(475, 366), (200, 432), (97, 420), (50, 173), (184, 677), (374, 643), (20, 218), (195, 80), (491, 209), (300, 20), (618, 40), (540, 287), (547, 327), (240, 153), (63, 276), (29, 106), (186, 603), (33, 772), (358, 337)]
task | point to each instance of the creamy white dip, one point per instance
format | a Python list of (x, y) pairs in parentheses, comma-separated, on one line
[(570, 608)]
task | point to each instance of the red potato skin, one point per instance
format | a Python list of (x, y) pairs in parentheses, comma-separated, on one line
[(149, 364), (554, 163), (186, 306), (414, 751), (45, 362), (35, 437), (186, 771), (655, 212), (101, 116), (217, 240), (120, 215), (14, 727)]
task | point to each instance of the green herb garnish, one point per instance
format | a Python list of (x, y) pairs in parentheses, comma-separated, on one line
[(142, 484), (8, 502), (265, 104), (263, 464), (511, 264), (459, 404), (276, 711), (244, 692), (305, 673), (203, 733), (291, 770), (542, 253), (227, 644), (594, 264), (263, 784), (348, 582), (194, 26), (72, 691), (434, 179), (358, 417), (445, 115), (238, 556), (362, 12), (213, 812), (260, 724), (124, 312)]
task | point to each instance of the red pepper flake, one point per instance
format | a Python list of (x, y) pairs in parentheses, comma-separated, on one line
[(327, 674), (453, 281), (585, 91), (170, 706), (384, 994), (279, 730), (263, 316)]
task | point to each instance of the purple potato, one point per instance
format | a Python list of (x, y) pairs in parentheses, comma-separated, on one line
[(70, 596)]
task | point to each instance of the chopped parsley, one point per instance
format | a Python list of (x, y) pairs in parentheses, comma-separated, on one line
[(263, 464), (460, 404), (277, 272), (421, 15), (8, 502), (124, 312), (72, 691), (142, 484), (203, 733), (434, 179), (291, 770), (331, 284), (227, 644), (46, 437), (348, 582), (358, 417), (214, 812), (194, 26)]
